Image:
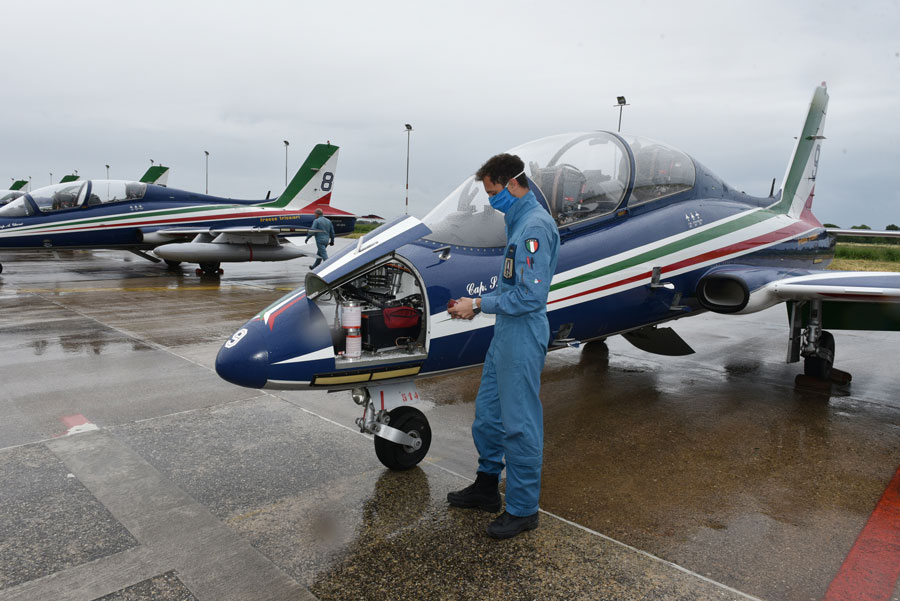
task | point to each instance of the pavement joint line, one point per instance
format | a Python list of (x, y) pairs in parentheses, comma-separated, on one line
[(171, 525), (108, 574), (151, 343), (552, 515), (618, 542)]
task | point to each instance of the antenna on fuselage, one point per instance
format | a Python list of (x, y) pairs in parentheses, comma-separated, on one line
[(772, 189)]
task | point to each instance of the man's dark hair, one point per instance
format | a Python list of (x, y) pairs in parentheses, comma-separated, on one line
[(501, 168)]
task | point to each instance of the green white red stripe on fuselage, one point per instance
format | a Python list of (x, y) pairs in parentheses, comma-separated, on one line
[(717, 242)]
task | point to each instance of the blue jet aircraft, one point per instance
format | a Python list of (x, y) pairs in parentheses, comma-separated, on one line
[(177, 225), (649, 235)]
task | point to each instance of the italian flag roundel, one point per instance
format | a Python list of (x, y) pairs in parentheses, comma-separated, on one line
[(532, 245)]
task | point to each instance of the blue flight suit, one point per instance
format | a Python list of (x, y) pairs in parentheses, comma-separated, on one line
[(322, 238), (509, 421)]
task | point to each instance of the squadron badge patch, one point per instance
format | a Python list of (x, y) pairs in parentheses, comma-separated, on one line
[(532, 245)]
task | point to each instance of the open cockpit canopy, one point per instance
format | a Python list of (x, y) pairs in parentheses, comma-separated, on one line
[(581, 176)]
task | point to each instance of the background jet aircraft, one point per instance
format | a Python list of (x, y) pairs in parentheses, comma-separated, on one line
[(178, 225), (17, 189), (156, 174), (649, 235)]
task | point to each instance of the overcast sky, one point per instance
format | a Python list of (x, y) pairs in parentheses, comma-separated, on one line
[(96, 82)]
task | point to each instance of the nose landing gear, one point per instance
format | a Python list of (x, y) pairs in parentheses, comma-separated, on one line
[(209, 270), (402, 435)]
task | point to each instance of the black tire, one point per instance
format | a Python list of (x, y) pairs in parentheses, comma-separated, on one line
[(210, 269), (820, 367), (399, 457)]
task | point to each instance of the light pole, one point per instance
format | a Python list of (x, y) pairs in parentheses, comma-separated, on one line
[(51, 178), (286, 144), (206, 152), (107, 172), (621, 104), (408, 131)]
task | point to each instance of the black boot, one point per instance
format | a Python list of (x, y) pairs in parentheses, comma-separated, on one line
[(508, 525), (484, 493)]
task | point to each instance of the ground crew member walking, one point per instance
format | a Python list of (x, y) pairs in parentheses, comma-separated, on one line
[(324, 236), (509, 424)]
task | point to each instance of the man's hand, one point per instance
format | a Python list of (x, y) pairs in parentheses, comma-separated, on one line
[(462, 308)]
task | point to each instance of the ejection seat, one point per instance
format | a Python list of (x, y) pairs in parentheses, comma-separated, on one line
[(562, 186)]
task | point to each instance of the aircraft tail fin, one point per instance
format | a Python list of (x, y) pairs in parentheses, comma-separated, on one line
[(19, 184), (72, 177), (314, 181), (156, 174), (799, 183)]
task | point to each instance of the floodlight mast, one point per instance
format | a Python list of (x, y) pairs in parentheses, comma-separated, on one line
[(408, 130), (621, 104)]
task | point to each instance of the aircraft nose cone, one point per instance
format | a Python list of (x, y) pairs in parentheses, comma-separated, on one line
[(244, 359)]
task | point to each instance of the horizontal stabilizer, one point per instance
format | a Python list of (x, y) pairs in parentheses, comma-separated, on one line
[(659, 341), (864, 233)]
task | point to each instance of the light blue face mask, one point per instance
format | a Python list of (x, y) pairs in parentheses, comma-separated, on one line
[(504, 199)]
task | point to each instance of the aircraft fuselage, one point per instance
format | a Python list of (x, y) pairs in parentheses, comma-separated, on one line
[(123, 224)]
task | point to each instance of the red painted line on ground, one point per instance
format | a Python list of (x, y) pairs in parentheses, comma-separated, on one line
[(872, 567), (71, 421)]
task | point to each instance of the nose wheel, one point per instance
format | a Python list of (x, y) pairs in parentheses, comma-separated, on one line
[(209, 270), (402, 435), (400, 456)]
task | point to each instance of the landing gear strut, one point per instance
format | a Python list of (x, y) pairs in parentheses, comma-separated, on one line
[(814, 344), (402, 435)]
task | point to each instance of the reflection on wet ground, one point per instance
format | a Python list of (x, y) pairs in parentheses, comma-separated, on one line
[(715, 462)]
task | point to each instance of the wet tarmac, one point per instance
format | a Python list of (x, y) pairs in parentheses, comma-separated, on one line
[(129, 470)]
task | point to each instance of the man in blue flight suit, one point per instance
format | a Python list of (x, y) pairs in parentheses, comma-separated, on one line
[(324, 236), (509, 421)]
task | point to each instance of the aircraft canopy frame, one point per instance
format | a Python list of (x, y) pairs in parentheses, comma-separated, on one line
[(581, 176)]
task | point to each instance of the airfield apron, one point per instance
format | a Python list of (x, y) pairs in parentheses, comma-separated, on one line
[(509, 419)]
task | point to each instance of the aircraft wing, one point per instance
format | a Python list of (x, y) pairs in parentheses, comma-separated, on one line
[(844, 286), (852, 300)]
